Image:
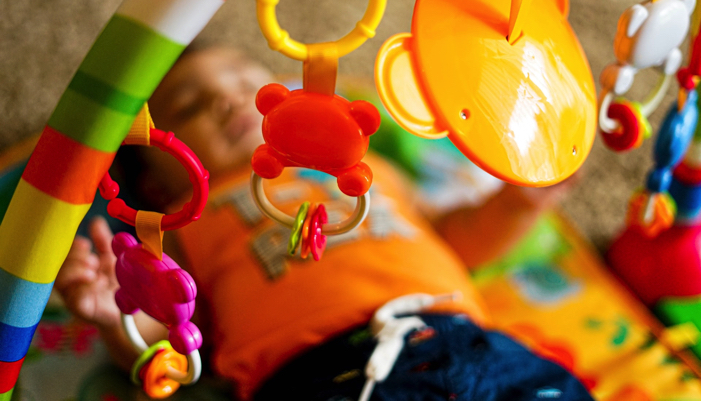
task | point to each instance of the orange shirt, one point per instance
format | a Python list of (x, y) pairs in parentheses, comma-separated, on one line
[(268, 308)]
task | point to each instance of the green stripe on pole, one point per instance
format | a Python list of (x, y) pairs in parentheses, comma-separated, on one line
[(89, 122), (131, 57), (6, 396), (105, 94)]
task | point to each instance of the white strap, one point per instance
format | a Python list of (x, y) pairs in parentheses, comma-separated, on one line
[(390, 332)]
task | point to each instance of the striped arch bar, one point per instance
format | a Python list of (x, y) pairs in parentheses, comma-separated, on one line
[(120, 72)]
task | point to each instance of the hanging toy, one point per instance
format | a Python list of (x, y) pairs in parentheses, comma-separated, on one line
[(648, 35), (653, 210), (314, 128), (505, 80), (150, 280), (166, 293)]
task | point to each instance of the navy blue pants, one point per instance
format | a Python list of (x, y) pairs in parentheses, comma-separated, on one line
[(452, 360)]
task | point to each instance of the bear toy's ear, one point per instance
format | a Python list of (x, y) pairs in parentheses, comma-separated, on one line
[(270, 96), (366, 115), (123, 241)]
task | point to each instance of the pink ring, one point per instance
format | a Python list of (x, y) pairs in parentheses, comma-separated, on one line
[(191, 211)]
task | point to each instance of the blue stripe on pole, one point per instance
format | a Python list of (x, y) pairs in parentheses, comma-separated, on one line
[(14, 342), (23, 301)]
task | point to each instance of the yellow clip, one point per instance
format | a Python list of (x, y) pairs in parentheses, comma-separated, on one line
[(278, 39), (140, 132), (680, 336)]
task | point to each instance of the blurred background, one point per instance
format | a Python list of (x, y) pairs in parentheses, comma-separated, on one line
[(43, 42)]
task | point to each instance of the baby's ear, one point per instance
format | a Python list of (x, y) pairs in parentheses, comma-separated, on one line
[(270, 96), (366, 115)]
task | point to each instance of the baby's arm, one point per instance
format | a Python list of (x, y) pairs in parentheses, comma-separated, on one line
[(87, 283), (479, 235)]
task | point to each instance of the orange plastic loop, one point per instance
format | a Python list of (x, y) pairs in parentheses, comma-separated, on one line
[(148, 229), (651, 213), (156, 383)]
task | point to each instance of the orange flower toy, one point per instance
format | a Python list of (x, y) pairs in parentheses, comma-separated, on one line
[(505, 80)]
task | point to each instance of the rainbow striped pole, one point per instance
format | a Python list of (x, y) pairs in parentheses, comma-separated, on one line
[(130, 57)]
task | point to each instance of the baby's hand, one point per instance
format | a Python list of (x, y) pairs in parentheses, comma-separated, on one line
[(87, 280)]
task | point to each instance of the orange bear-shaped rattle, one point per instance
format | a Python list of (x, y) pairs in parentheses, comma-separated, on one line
[(318, 131)]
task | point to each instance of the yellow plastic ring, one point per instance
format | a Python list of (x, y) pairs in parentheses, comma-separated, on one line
[(278, 39)]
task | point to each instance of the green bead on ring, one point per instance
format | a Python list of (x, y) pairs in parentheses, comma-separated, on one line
[(297, 229), (145, 358)]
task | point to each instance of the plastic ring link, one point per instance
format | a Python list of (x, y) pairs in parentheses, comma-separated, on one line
[(278, 39), (354, 220), (191, 211), (160, 373)]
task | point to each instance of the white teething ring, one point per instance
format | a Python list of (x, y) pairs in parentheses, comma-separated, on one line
[(194, 362), (361, 210)]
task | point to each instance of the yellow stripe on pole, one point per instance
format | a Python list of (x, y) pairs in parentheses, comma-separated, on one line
[(37, 233)]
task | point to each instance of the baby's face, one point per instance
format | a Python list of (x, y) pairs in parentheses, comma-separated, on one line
[(208, 101)]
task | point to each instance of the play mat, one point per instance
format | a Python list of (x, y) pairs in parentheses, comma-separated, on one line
[(552, 293)]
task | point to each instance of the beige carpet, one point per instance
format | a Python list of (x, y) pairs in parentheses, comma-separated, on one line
[(43, 41)]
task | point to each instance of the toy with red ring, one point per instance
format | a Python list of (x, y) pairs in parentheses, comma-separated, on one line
[(632, 129), (199, 177), (312, 130)]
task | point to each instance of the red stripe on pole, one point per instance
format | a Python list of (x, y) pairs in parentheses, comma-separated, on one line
[(9, 372), (66, 169)]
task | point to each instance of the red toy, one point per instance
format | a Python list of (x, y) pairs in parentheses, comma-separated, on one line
[(317, 131), (668, 265)]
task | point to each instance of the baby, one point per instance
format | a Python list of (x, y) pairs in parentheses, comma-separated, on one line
[(282, 327)]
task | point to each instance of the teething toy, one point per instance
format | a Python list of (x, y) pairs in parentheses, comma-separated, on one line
[(326, 133), (648, 35), (505, 80), (150, 280), (313, 127)]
